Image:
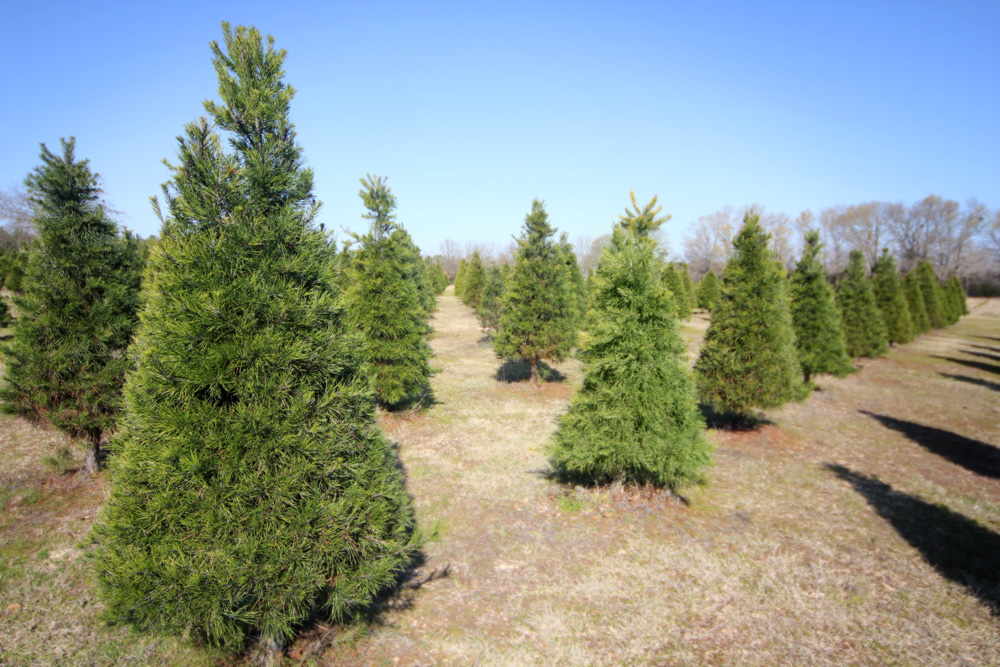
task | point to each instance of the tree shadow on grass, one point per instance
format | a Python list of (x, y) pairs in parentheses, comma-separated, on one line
[(731, 421), (520, 371), (971, 380), (976, 456), (984, 347), (418, 402), (957, 547), (984, 355), (971, 363), (987, 337)]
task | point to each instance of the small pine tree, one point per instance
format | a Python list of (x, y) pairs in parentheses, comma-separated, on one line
[(915, 302), (14, 280), (251, 487), (672, 281), (463, 266), (417, 271), (576, 287), (490, 308), (951, 302), (864, 329), (955, 285), (67, 362), (708, 291), (891, 299), (384, 305), (748, 360), (636, 418), (474, 282), (536, 321), (818, 335), (688, 284), (439, 279), (930, 288)]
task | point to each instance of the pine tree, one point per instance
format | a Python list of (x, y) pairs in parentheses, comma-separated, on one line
[(915, 302), (490, 307), (818, 335), (864, 329), (67, 361), (474, 282), (416, 271), (463, 266), (536, 322), (930, 288), (672, 281), (439, 279), (251, 488), (708, 291), (636, 418), (748, 360), (688, 285), (576, 287), (383, 302), (891, 300), (955, 285)]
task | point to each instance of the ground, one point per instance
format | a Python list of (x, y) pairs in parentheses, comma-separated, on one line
[(861, 526)]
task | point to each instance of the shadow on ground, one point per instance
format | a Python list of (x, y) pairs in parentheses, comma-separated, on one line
[(730, 421), (976, 456), (520, 371), (984, 355), (989, 368), (957, 547), (971, 380)]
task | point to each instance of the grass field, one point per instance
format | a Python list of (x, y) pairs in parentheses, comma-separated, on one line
[(860, 527)]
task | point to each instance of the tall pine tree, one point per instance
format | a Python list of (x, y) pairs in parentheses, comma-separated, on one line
[(864, 329), (915, 302), (536, 322), (708, 291), (818, 336), (67, 361), (636, 418), (490, 307), (930, 288), (673, 282), (474, 282), (384, 304), (749, 361), (251, 488), (891, 300)]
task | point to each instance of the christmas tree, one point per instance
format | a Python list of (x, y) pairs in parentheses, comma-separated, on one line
[(864, 329), (891, 300)]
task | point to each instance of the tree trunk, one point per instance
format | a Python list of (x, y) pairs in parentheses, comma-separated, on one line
[(92, 460), (534, 371), (269, 653)]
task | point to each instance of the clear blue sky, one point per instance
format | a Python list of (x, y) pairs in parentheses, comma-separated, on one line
[(472, 109)]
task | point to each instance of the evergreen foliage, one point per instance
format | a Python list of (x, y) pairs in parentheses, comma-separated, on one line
[(672, 281), (383, 302), (891, 300), (460, 278), (748, 360), (636, 418), (915, 302), (417, 271), (955, 285), (930, 288), (67, 361), (818, 335), (576, 287), (864, 330), (708, 291), (251, 488), (18, 266), (536, 321), (474, 282), (688, 285), (491, 307), (439, 279)]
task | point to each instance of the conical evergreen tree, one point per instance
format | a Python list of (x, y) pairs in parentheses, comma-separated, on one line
[(819, 338), (864, 329), (688, 284), (708, 291), (748, 360), (463, 266), (930, 288), (891, 300), (474, 282), (439, 279), (252, 488), (636, 417), (536, 322), (915, 302), (417, 271), (576, 287), (490, 307), (383, 302), (67, 361), (955, 285), (672, 281)]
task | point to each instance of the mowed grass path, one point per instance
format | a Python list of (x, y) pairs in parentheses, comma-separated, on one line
[(861, 527), (844, 532)]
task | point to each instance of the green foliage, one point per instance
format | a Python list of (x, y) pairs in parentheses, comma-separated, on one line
[(473, 282), (673, 281), (439, 279), (864, 329), (818, 334), (958, 292), (688, 285), (491, 306), (749, 360), (67, 361), (252, 488), (636, 417), (915, 302), (891, 300), (16, 268), (463, 266), (416, 271), (576, 287), (383, 302), (931, 290), (708, 291), (536, 321)]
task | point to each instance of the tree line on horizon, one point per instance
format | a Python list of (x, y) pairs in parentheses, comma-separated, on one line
[(239, 360)]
